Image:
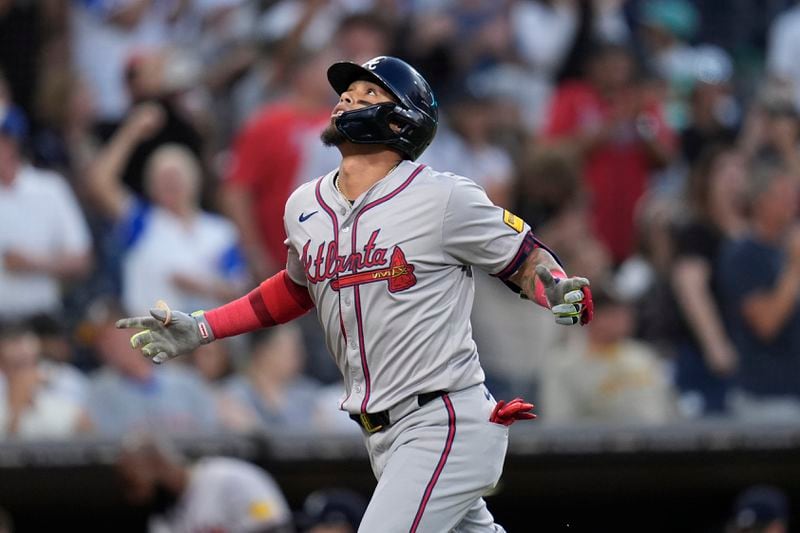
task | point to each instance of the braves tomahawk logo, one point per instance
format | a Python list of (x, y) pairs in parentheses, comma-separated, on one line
[(358, 268)]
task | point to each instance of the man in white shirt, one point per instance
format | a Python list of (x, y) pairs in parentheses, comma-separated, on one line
[(44, 238)]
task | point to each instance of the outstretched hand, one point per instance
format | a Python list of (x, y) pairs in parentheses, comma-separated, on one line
[(167, 334), (508, 413), (570, 299)]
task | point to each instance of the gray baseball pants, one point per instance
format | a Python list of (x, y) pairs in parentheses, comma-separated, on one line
[(434, 465)]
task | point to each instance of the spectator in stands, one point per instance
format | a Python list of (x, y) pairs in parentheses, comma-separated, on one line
[(273, 388), (44, 239), (31, 406), (713, 112), (605, 376), (64, 140), (464, 145), (276, 151), (215, 364), (107, 33), (550, 39), (667, 27), (213, 494), (759, 280), (362, 36), (772, 128), (615, 126), (129, 394), (760, 509), (199, 261), (332, 511), (644, 279), (706, 357), (163, 78), (56, 365), (783, 49)]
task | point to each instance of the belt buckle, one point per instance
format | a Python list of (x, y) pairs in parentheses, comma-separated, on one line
[(366, 423)]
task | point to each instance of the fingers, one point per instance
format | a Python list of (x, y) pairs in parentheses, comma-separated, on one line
[(162, 305), (141, 339), (567, 309), (567, 320), (152, 349), (164, 316), (572, 284), (545, 276), (160, 357), (573, 297), (142, 322)]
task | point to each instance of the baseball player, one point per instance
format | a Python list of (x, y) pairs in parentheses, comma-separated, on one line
[(384, 249)]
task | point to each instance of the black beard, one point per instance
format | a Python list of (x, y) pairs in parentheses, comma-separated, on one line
[(332, 136)]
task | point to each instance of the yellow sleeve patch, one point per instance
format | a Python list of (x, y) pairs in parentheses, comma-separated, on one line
[(260, 510), (513, 221)]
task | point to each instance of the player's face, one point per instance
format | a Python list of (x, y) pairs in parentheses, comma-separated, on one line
[(358, 95), (361, 94)]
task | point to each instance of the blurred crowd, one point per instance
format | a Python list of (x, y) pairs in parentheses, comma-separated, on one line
[(147, 148)]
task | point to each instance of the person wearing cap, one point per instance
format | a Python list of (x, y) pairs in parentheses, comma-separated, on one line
[(760, 509), (219, 494), (606, 376), (334, 510), (44, 239)]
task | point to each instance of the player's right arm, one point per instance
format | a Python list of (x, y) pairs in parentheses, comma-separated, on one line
[(283, 297), (166, 334)]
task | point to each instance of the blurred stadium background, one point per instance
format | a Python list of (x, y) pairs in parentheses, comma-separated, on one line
[(654, 144)]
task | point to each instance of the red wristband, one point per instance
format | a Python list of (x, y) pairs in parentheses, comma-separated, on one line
[(277, 300), (539, 294)]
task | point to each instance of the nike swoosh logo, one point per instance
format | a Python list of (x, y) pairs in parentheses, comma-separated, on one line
[(304, 217)]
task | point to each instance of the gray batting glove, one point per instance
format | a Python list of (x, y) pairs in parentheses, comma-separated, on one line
[(167, 334), (565, 296)]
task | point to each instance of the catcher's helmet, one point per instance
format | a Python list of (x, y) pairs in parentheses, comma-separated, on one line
[(416, 113)]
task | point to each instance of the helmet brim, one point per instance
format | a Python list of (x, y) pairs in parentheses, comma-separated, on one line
[(343, 73)]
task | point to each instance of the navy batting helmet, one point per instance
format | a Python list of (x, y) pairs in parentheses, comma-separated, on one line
[(415, 115)]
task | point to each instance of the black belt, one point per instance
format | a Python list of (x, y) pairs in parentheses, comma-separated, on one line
[(374, 422)]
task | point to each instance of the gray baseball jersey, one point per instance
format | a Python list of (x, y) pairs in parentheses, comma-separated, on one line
[(391, 277)]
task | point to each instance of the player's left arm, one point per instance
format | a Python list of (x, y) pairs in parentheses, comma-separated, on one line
[(541, 279), (476, 232)]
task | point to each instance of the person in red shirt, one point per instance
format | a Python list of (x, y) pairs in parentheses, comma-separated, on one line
[(275, 152), (616, 128)]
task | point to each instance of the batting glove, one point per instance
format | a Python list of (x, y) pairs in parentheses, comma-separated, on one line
[(167, 334), (508, 413), (570, 299)]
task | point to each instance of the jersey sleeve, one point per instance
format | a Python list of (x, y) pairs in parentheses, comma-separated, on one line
[(477, 232)]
